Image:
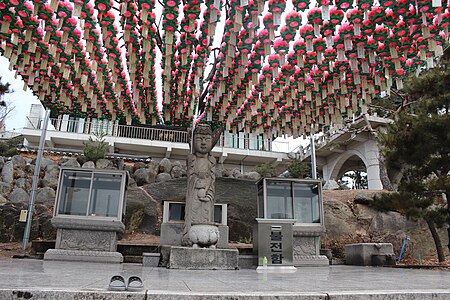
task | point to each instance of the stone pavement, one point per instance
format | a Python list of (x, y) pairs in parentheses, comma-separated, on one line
[(50, 280)]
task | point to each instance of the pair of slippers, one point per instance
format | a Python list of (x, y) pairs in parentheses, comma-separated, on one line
[(117, 283)]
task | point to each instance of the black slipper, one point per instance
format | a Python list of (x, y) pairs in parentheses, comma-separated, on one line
[(135, 284), (117, 283)]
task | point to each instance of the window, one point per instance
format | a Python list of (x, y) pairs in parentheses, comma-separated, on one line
[(279, 200), (306, 203), (174, 212), (91, 193)]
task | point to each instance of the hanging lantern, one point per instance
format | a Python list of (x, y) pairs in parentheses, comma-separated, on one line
[(287, 33), (277, 7), (344, 4), (300, 5), (336, 16), (319, 46), (356, 17), (281, 47), (327, 31), (315, 18), (103, 5), (325, 5), (268, 21), (377, 15), (300, 50), (307, 33), (293, 20)]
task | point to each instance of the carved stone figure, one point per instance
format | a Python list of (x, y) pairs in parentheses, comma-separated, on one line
[(200, 189)]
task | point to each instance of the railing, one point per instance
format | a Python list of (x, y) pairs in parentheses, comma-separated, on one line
[(108, 128)]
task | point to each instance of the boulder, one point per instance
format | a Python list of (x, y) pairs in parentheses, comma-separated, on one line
[(219, 171), (104, 164), (3, 200), (51, 178), (138, 165), (46, 163), (23, 183), (2, 161), (19, 173), (252, 176), (19, 195), (366, 197), (163, 177), (18, 161), (129, 168), (144, 176), (69, 162), (331, 185), (5, 188), (89, 165), (177, 170), (165, 166), (141, 212), (11, 229), (30, 168), (237, 173), (8, 172), (118, 163), (46, 196)]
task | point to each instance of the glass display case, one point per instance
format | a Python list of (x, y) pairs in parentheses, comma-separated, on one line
[(91, 193), (289, 198), (88, 214), (295, 206)]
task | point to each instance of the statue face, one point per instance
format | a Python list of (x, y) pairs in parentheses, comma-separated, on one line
[(202, 143)]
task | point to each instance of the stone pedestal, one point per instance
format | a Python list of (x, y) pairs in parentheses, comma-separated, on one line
[(368, 254), (85, 240), (306, 246), (172, 232), (202, 258)]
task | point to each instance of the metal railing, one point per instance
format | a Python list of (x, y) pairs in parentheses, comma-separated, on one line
[(107, 128)]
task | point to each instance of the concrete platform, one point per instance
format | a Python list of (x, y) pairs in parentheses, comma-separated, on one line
[(57, 280)]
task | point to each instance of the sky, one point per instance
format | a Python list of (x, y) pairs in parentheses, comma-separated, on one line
[(21, 99)]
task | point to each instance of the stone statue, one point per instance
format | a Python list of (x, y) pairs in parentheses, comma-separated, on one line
[(199, 229)]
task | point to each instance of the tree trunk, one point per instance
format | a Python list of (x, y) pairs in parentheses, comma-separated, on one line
[(447, 194), (385, 181), (437, 240)]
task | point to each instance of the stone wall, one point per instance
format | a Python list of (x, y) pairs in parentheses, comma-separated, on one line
[(348, 219)]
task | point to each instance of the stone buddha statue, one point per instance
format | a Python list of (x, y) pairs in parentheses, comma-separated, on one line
[(199, 229)]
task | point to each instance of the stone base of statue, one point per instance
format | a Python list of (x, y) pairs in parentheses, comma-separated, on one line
[(203, 235), (189, 258)]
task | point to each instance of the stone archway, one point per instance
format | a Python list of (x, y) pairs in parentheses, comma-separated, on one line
[(362, 154)]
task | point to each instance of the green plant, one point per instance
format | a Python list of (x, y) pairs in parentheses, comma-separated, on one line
[(95, 149), (8, 147), (299, 169), (266, 170)]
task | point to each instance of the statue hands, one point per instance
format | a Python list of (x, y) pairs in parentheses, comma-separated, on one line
[(201, 193)]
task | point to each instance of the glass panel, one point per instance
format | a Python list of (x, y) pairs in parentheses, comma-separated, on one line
[(261, 200), (306, 203), (176, 212), (105, 195), (74, 193), (218, 214), (279, 200)]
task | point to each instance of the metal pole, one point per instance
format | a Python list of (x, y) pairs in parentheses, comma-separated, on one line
[(313, 156), (37, 170)]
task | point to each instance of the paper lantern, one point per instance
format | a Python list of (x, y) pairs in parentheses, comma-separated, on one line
[(300, 5)]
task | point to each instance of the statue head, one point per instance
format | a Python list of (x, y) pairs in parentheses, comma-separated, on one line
[(203, 139)]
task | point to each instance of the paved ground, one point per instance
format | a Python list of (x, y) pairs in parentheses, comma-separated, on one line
[(38, 279)]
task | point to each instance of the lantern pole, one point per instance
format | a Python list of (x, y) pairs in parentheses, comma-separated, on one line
[(312, 147), (37, 170)]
